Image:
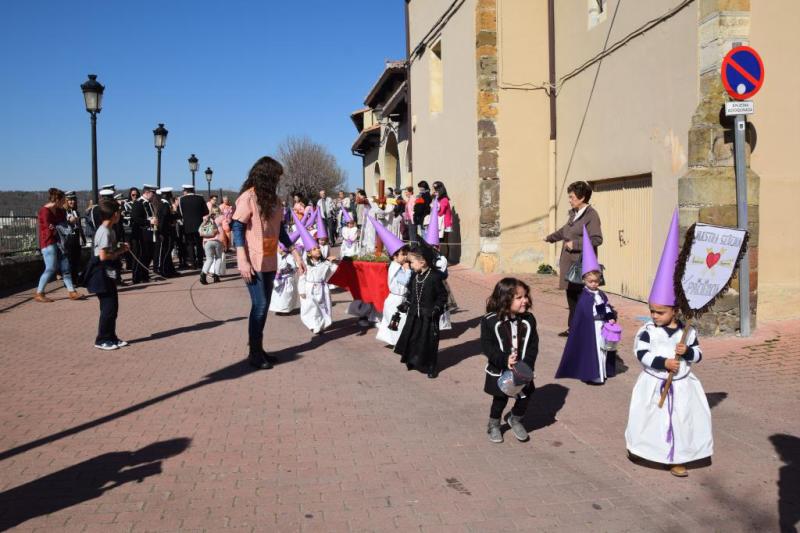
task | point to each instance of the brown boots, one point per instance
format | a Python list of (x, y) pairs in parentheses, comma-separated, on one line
[(40, 297)]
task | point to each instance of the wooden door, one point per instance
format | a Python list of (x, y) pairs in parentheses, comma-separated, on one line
[(625, 206)]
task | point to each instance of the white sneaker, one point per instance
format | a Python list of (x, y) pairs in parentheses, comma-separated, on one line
[(108, 345), (121, 343)]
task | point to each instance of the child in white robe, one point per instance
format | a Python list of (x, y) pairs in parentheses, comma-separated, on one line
[(399, 274), (349, 246), (678, 432), (284, 291), (315, 296)]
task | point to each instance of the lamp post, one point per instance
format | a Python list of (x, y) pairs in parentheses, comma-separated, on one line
[(93, 98), (160, 140), (193, 166), (209, 174)]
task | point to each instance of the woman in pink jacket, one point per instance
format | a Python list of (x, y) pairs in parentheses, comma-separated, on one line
[(445, 215)]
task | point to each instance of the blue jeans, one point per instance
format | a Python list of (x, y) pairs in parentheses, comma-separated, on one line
[(260, 290), (52, 257)]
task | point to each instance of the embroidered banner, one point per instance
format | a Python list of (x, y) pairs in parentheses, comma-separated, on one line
[(708, 260)]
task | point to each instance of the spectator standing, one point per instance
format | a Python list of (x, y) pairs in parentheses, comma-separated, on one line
[(257, 229), (102, 273), (214, 248), (445, 215), (76, 239), (51, 215), (325, 206), (581, 214), (422, 208)]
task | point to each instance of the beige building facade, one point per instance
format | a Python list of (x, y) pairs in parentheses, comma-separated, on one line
[(383, 131), (512, 100)]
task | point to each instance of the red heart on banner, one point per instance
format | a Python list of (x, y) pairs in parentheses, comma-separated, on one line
[(712, 259)]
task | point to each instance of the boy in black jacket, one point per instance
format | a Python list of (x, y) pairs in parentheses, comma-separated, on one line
[(508, 336)]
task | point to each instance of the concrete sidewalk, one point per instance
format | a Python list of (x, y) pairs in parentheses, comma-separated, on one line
[(176, 433)]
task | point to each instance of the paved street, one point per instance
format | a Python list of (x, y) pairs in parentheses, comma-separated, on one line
[(176, 432)]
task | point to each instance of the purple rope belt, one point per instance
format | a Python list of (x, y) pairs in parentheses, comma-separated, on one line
[(670, 430)]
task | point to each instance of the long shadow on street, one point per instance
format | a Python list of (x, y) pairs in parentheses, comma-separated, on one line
[(237, 370), (84, 481)]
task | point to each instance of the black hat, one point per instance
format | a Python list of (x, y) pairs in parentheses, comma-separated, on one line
[(71, 195)]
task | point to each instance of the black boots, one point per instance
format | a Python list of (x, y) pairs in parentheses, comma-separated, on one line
[(215, 278), (203, 279), (258, 358)]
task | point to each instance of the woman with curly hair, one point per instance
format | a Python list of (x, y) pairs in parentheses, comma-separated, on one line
[(257, 228)]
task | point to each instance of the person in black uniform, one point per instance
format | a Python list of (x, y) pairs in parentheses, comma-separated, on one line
[(425, 302), (166, 233), (143, 233), (178, 237), (127, 230), (193, 210), (76, 240)]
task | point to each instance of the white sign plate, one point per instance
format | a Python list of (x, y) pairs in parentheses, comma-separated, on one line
[(711, 262), (744, 107)]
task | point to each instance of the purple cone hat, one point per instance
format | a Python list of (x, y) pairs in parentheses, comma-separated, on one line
[(589, 259), (322, 233), (309, 243), (389, 240), (432, 233), (346, 216), (302, 220), (312, 219), (663, 291)]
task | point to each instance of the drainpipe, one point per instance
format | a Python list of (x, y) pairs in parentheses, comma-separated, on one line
[(551, 160), (409, 115)]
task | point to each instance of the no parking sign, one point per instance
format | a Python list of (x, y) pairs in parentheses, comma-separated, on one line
[(742, 72)]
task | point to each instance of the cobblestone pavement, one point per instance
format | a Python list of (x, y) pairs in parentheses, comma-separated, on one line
[(175, 432)]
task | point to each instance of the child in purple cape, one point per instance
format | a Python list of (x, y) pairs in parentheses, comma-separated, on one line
[(585, 356)]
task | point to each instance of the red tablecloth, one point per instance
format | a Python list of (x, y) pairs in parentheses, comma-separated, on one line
[(365, 280)]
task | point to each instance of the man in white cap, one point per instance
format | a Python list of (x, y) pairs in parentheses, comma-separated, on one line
[(143, 233), (193, 210), (166, 234)]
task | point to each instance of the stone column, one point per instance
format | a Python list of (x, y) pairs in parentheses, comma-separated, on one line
[(707, 193), (488, 141)]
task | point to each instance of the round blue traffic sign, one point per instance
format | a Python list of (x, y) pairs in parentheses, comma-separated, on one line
[(742, 72)]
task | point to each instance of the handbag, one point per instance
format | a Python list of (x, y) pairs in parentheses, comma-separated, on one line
[(208, 229), (574, 274)]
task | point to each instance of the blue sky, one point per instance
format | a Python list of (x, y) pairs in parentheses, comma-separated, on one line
[(230, 79)]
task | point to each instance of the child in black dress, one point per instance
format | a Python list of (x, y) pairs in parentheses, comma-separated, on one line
[(426, 299), (508, 336)]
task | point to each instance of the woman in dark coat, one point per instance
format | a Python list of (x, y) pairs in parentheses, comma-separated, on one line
[(425, 301), (581, 214)]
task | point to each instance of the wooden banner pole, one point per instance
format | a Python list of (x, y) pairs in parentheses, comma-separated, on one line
[(664, 392)]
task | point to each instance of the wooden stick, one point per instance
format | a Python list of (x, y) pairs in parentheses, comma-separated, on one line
[(677, 358)]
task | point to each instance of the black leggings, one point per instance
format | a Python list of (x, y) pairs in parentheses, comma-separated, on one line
[(499, 403), (573, 293)]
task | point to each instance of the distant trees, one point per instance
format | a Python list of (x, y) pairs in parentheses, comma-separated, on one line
[(308, 168)]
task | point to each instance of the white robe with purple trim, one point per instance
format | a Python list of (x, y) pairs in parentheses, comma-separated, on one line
[(315, 308), (398, 280), (680, 431), (284, 291)]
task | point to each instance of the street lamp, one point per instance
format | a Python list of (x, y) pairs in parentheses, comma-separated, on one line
[(193, 166), (160, 136), (93, 98), (209, 174)]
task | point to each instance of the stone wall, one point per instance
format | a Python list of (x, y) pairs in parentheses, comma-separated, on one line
[(707, 193), (488, 140)]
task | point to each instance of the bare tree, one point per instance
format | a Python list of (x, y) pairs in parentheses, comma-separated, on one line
[(308, 168)]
